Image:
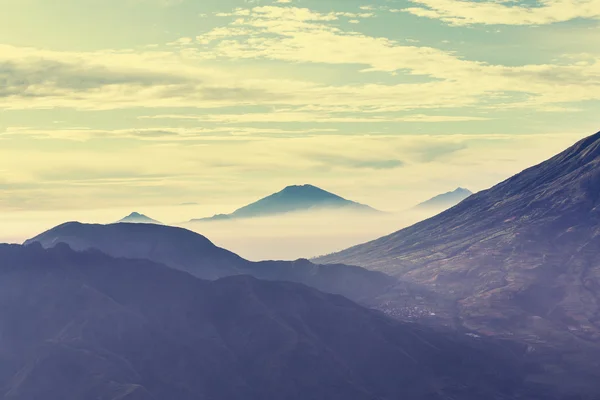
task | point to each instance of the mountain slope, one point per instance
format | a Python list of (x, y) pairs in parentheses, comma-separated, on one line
[(137, 218), (188, 251), (445, 201), (293, 199), (522, 258), (86, 326)]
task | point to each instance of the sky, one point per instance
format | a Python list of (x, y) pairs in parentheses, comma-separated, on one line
[(147, 104)]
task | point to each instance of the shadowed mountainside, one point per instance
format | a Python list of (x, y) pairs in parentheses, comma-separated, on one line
[(188, 251), (293, 199), (521, 259), (84, 325)]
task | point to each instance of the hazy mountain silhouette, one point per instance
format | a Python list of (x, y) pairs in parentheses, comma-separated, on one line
[(188, 251), (86, 326), (445, 201), (137, 218), (519, 259), (293, 199)]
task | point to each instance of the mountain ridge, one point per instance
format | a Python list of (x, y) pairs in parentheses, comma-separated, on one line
[(116, 328), (519, 251), (191, 252), (520, 260)]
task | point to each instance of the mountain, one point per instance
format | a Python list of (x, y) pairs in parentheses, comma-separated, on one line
[(445, 201), (193, 253), (293, 199), (521, 259), (88, 326), (137, 218)]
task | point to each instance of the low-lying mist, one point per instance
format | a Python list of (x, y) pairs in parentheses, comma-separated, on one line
[(281, 237), (301, 235)]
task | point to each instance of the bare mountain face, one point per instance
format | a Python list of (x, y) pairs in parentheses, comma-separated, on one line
[(521, 259), (188, 251), (293, 199), (87, 326)]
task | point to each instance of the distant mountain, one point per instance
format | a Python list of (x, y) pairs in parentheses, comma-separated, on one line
[(445, 201), (188, 251), (87, 326), (293, 199), (521, 259), (137, 218)]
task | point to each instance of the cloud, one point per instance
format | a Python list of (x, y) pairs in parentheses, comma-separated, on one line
[(436, 151), (315, 117), (462, 12), (81, 175), (337, 160), (302, 35), (221, 174), (299, 35), (33, 78), (43, 78), (193, 74), (161, 134), (161, 3)]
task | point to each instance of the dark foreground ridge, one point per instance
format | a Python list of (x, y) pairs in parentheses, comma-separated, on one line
[(87, 326)]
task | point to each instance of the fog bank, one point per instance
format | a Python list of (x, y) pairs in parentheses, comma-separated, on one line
[(301, 235), (282, 237)]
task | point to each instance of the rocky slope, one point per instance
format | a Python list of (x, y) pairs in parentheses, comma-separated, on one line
[(521, 259)]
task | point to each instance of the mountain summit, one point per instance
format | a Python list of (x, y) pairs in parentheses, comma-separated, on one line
[(137, 218), (522, 258), (293, 199), (445, 201)]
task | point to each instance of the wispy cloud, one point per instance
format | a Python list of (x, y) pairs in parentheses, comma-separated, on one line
[(113, 79), (220, 103), (300, 35), (338, 160), (314, 117), (161, 134), (218, 168), (505, 12), (187, 76)]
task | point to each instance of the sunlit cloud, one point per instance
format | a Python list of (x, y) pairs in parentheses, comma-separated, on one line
[(187, 77), (314, 117), (464, 12), (244, 98), (216, 167)]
